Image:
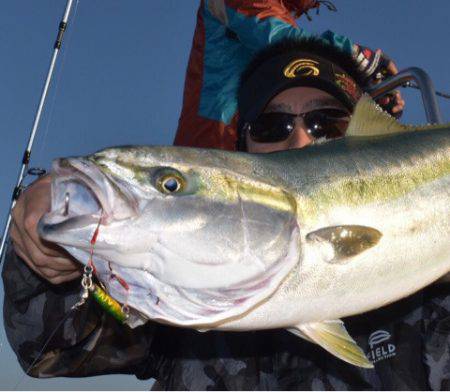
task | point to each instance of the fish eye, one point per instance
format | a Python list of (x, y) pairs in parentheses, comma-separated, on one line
[(170, 183)]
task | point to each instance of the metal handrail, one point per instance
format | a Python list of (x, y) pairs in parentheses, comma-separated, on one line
[(424, 83)]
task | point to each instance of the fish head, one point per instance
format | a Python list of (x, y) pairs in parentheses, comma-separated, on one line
[(196, 220)]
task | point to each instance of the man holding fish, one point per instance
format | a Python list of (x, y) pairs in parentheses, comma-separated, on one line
[(308, 100)]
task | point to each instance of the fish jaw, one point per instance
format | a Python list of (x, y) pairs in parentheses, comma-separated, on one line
[(82, 196)]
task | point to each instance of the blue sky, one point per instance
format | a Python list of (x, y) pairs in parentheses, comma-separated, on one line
[(120, 77)]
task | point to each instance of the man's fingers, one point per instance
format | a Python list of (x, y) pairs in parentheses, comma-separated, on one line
[(19, 246), (35, 258), (15, 235), (20, 252), (17, 214), (31, 206), (65, 278), (18, 211), (41, 260), (399, 102), (399, 108), (392, 68), (46, 248), (31, 221), (47, 260), (393, 103), (53, 276)]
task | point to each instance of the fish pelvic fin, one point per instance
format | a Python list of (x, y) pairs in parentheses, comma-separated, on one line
[(336, 244), (333, 337), (369, 119)]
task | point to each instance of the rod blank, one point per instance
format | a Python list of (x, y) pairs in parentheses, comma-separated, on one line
[(37, 118)]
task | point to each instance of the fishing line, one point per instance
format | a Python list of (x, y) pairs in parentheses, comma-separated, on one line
[(47, 342), (119, 311), (58, 79), (87, 285)]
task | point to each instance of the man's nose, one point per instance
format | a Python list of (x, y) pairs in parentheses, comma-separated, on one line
[(300, 137)]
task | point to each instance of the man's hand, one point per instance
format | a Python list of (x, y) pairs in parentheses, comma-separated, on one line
[(393, 102), (375, 66), (47, 260)]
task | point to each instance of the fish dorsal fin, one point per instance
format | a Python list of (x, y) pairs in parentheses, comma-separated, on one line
[(369, 119), (334, 338)]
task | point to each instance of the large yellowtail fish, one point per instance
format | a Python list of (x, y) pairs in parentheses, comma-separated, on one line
[(209, 239)]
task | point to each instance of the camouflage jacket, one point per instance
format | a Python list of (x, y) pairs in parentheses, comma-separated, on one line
[(408, 341)]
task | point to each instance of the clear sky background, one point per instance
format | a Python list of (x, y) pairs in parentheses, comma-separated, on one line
[(119, 80)]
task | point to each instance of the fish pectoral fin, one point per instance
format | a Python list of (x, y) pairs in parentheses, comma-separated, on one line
[(333, 337), (338, 243)]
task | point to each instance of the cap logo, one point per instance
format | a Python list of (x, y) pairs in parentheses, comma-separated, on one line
[(301, 67), (348, 85)]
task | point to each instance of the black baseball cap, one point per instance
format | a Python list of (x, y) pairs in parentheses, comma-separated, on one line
[(295, 67)]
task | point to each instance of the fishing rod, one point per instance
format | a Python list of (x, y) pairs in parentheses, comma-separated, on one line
[(27, 153)]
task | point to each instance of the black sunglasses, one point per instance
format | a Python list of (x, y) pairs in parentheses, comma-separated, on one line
[(273, 127)]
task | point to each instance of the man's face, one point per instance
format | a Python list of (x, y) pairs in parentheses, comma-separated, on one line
[(297, 100)]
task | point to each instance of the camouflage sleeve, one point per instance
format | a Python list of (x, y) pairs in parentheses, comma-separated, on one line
[(436, 322), (50, 340)]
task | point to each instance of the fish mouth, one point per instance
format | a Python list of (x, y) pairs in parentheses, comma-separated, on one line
[(84, 195)]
